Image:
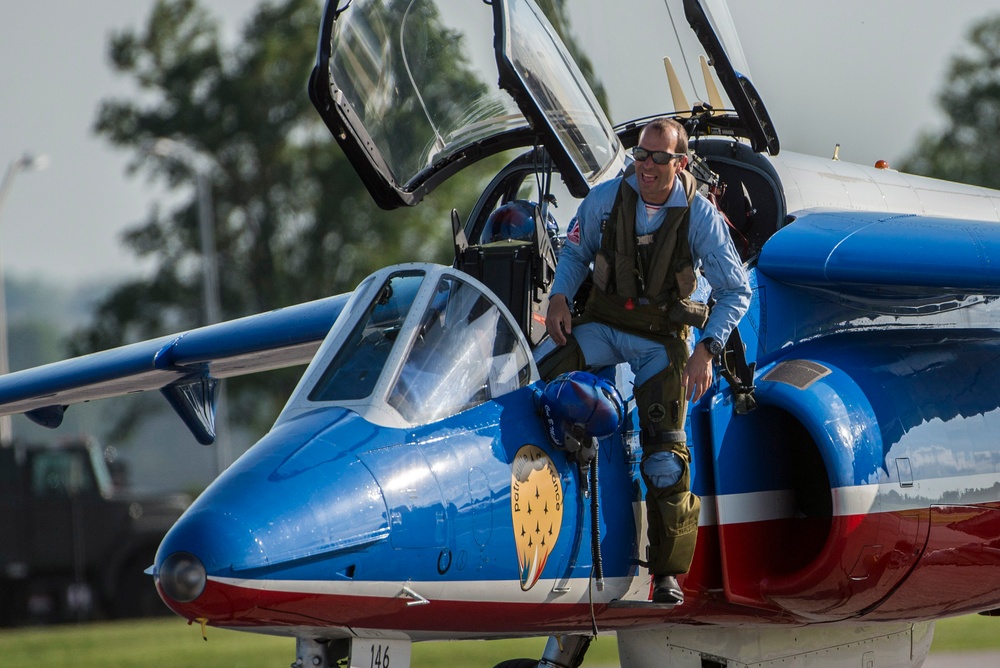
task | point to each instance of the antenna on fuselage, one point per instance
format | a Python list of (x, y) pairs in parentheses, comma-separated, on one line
[(714, 98), (681, 105)]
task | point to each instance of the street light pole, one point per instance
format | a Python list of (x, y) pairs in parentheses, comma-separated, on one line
[(25, 163), (210, 260), (202, 165)]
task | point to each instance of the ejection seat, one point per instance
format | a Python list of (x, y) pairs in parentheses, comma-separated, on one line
[(515, 258)]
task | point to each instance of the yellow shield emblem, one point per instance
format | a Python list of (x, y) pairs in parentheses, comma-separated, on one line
[(536, 505)]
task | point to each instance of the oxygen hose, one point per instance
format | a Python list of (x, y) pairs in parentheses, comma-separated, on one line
[(595, 527)]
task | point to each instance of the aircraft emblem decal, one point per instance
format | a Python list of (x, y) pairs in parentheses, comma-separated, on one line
[(536, 506)]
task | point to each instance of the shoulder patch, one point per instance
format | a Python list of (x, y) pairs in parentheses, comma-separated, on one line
[(573, 233)]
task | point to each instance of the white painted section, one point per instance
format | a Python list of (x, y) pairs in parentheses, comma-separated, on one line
[(753, 506), (847, 501), (890, 645), (810, 182), (499, 591)]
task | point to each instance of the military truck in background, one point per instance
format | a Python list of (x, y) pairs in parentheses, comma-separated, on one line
[(73, 543)]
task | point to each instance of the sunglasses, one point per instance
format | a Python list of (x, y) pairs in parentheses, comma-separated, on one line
[(659, 157)]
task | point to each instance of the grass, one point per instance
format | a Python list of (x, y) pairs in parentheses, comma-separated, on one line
[(971, 633), (169, 643)]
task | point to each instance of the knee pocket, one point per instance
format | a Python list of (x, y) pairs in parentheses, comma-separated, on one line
[(663, 469), (688, 509)]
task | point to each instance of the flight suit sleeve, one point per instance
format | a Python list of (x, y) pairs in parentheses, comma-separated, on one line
[(583, 240), (713, 249)]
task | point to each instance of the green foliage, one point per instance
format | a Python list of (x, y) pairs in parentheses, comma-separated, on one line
[(968, 148), (162, 643), (966, 634), (293, 221), (166, 643), (170, 642), (282, 192)]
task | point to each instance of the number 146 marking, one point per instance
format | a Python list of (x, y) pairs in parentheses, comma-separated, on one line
[(382, 653), (380, 657)]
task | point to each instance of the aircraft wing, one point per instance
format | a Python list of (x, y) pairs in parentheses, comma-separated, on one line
[(883, 255), (272, 340)]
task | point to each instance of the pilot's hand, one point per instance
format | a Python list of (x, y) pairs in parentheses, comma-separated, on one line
[(558, 321), (698, 373)]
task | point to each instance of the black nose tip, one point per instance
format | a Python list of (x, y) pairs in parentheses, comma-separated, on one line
[(182, 577)]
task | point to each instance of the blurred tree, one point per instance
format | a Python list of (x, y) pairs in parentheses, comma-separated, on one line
[(293, 221), (967, 149)]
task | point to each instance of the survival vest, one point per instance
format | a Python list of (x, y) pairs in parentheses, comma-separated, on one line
[(642, 284)]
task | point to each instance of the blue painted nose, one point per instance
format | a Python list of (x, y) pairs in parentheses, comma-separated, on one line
[(295, 499)]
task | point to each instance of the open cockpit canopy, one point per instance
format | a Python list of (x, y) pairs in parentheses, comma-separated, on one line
[(414, 90)]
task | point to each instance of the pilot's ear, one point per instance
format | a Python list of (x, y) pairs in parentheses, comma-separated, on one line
[(682, 162)]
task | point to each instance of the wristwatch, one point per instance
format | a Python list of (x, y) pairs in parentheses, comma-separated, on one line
[(712, 346)]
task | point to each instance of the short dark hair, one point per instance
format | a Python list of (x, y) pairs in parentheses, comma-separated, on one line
[(668, 126)]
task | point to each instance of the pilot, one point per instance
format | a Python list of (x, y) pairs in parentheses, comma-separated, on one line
[(646, 234)]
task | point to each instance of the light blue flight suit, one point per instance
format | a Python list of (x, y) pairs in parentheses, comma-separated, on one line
[(671, 508)]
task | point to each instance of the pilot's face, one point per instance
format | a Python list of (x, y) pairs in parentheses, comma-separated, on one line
[(656, 181)]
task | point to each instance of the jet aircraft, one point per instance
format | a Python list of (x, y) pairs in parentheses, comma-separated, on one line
[(847, 460)]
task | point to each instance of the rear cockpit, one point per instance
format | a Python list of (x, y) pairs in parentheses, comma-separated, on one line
[(746, 189), (482, 79), (519, 267)]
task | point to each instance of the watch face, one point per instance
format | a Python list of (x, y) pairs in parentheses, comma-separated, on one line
[(713, 346)]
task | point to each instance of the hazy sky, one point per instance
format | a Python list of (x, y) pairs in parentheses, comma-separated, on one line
[(862, 73)]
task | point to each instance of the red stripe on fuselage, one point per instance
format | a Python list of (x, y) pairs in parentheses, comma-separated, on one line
[(837, 573)]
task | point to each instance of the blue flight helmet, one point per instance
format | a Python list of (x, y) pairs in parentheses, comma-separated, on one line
[(582, 400), (515, 221)]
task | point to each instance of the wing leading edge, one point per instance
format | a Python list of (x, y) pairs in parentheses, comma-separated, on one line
[(185, 367)]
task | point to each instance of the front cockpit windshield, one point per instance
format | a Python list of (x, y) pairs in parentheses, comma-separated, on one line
[(424, 344), (356, 367), (464, 353)]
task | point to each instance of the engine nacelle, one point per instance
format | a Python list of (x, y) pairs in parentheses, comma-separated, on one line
[(819, 515)]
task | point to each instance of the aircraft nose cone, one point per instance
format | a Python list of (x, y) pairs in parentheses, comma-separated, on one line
[(182, 577), (294, 508)]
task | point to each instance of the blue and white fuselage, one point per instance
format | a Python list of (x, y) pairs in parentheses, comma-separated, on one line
[(382, 464), (409, 489)]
